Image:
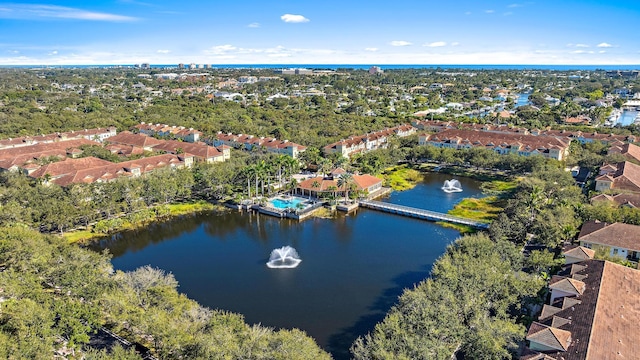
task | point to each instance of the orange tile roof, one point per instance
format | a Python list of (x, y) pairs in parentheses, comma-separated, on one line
[(129, 138)]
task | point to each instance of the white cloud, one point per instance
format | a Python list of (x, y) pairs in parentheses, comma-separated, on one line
[(582, 45), (489, 11), (54, 52), (455, 43), (254, 25), (515, 5), (467, 13), (604, 45), (436, 44), (291, 18), (371, 49), (508, 13), (581, 52), (27, 11), (399, 43), (221, 49), (163, 51), (601, 52)]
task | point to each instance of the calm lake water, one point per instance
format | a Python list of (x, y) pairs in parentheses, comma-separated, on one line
[(353, 267)]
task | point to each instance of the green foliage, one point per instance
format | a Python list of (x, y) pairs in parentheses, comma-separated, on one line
[(56, 294), (467, 305)]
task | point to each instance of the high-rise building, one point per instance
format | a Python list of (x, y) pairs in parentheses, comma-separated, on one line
[(375, 70), (181, 66)]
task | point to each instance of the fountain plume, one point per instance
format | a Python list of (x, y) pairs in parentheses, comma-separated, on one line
[(451, 186), (285, 257)]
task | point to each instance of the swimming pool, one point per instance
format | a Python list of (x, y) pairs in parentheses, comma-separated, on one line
[(291, 203)]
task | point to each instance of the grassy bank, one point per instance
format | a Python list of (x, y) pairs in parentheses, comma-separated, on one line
[(402, 177), (483, 209), (138, 220)]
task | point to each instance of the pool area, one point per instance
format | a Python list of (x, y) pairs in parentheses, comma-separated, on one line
[(288, 203)]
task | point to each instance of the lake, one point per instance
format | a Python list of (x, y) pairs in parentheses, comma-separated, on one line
[(353, 266)]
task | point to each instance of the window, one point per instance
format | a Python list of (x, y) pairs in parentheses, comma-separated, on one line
[(615, 251)]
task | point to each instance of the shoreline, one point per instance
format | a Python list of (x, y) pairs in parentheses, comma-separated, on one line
[(173, 211)]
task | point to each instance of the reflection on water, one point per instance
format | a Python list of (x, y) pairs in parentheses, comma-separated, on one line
[(354, 267)]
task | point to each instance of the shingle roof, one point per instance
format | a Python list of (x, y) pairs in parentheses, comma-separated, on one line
[(580, 252), (630, 151), (549, 336), (567, 285), (603, 321), (626, 177), (617, 235)]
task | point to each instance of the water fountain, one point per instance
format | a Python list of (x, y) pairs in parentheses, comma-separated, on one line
[(285, 257), (451, 186)]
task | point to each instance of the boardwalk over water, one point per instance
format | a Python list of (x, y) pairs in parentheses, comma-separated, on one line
[(421, 214)]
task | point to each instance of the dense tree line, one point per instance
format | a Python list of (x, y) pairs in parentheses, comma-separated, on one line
[(55, 295)]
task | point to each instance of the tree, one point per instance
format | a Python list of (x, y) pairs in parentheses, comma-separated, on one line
[(345, 183)]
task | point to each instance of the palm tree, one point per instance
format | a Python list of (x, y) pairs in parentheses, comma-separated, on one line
[(293, 183), (292, 165), (262, 170), (280, 163), (325, 165), (315, 184), (344, 182)]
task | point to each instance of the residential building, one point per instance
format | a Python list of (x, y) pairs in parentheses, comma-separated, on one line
[(200, 151), (368, 142), (630, 151), (89, 170), (592, 315), (621, 240), (138, 140), (178, 132), (502, 143), (631, 200), (624, 176), (98, 134), (13, 159), (375, 70), (249, 142)]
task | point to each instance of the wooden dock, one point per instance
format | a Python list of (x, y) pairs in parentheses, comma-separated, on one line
[(421, 213)]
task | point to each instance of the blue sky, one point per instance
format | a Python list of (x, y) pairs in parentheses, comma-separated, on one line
[(314, 32)]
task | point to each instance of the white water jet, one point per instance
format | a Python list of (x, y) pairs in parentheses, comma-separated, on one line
[(285, 257), (451, 186)]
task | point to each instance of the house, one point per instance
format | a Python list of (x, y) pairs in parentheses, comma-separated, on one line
[(500, 142), (319, 185), (624, 176), (621, 240), (593, 314)]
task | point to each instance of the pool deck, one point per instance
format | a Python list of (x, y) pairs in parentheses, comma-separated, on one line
[(284, 213)]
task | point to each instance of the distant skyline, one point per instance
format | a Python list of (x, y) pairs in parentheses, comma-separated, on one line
[(214, 32)]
